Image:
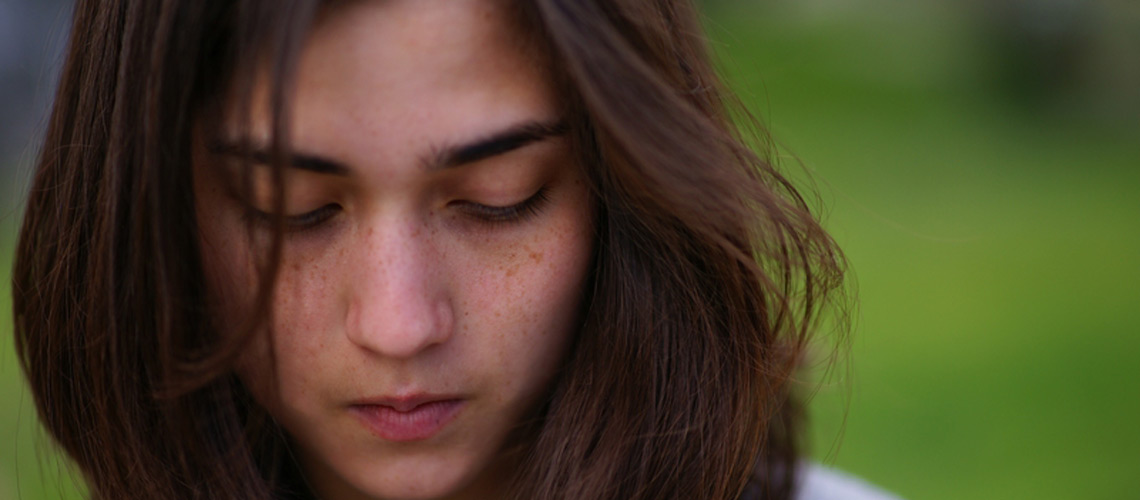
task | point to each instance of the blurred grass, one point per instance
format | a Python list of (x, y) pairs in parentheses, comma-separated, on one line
[(995, 250), (28, 468)]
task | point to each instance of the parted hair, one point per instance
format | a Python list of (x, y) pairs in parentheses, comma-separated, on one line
[(709, 272)]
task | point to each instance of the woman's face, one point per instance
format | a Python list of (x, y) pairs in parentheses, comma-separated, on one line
[(439, 239)]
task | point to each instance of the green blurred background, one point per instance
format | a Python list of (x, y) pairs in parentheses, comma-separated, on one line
[(979, 162)]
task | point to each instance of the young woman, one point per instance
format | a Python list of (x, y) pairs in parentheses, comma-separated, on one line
[(413, 249)]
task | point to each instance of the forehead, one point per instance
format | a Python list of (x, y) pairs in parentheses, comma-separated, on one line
[(410, 41), (380, 76)]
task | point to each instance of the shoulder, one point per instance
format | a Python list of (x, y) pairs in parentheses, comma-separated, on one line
[(817, 482)]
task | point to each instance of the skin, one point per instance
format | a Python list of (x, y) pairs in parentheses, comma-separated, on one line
[(396, 278)]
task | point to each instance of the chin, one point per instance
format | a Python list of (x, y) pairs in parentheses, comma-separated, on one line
[(426, 478), (415, 489)]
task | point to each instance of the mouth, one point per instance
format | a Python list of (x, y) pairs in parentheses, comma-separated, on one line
[(407, 419)]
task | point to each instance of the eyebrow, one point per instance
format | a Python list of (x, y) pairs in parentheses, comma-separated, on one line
[(496, 144)]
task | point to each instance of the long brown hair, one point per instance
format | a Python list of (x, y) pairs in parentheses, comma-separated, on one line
[(709, 272)]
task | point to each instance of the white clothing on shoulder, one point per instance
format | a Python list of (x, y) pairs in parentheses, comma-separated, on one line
[(817, 482)]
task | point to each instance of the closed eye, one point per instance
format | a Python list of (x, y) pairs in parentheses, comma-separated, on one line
[(492, 214), (299, 222)]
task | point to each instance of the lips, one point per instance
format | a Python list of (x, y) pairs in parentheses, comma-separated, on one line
[(407, 419)]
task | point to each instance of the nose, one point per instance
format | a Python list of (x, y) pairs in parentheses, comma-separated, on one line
[(399, 304)]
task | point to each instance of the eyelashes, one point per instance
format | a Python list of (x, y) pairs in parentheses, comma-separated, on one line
[(491, 215), (495, 215), (294, 223)]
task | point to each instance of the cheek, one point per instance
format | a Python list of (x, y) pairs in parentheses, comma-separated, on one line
[(302, 331), (306, 293), (539, 285), (528, 303)]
